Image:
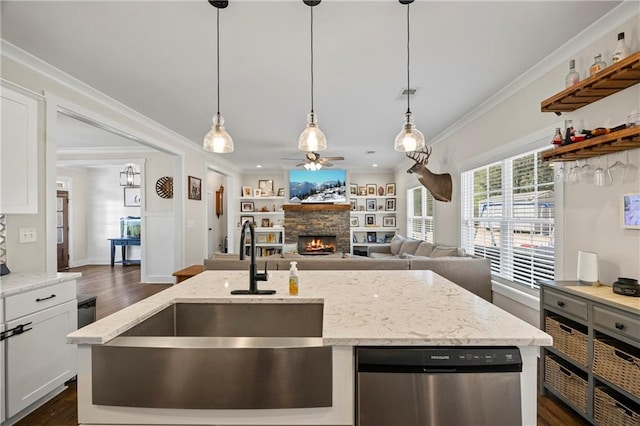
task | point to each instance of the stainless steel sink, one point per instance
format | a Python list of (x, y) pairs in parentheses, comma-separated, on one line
[(234, 320), (218, 356)]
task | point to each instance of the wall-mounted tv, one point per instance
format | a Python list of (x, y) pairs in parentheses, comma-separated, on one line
[(319, 186)]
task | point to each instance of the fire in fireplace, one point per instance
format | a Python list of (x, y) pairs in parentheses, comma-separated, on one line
[(317, 244)]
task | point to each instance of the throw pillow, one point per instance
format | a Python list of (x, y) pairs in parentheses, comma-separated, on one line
[(290, 248), (441, 251), (410, 246), (424, 249), (396, 243)]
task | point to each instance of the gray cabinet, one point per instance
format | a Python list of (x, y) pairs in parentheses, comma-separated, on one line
[(594, 363)]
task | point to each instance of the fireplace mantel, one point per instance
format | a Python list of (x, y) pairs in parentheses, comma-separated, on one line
[(316, 207)]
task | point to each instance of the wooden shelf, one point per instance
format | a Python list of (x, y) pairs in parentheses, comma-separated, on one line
[(612, 79), (606, 144)]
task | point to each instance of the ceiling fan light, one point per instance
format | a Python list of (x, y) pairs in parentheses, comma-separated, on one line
[(218, 140), (409, 138), (312, 138)]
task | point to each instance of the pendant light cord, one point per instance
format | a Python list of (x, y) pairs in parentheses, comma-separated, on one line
[(311, 58), (408, 83), (218, 53)]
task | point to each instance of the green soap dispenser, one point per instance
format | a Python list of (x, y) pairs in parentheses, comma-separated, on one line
[(293, 279)]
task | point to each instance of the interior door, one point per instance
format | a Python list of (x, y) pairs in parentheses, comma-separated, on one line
[(62, 229)]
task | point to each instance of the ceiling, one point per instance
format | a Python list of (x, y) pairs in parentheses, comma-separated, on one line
[(159, 58)]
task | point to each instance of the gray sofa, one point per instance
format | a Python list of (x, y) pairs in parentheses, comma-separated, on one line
[(471, 273)]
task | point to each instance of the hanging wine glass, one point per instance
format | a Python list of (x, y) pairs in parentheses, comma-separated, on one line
[(574, 174), (586, 172), (616, 172), (561, 174), (630, 171), (599, 175)]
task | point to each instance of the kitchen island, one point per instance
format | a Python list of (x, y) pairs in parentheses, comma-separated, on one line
[(360, 308)]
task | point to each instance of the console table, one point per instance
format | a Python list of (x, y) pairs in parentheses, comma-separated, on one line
[(123, 243)]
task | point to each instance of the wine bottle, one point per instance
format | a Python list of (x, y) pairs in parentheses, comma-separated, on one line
[(598, 65), (573, 77), (557, 137), (622, 51)]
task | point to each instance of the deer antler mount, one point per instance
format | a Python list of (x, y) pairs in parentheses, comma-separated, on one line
[(439, 185)]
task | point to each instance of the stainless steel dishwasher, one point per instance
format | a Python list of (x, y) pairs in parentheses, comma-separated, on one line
[(411, 386)]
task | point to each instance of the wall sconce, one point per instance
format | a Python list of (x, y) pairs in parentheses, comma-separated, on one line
[(129, 177)]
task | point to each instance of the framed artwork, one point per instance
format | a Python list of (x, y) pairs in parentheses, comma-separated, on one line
[(246, 191), (371, 237), (257, 192), (362, 190), (132, 197), (371, 204), (280, 192), (630, 211), (391, 189), (195, 188), (354, 204), (354, 221), (353, 189), (243, 219), (390, 205), (265, 223), (371, 189), (370, 220), (246, 206), (389, 221), (261, 238), (266, 187)]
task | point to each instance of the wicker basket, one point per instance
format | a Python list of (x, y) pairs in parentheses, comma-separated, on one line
[(567, 340), (571, 386), (617, 366), (609, 411)]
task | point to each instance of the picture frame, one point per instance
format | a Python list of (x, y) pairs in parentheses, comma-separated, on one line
[(391, 189), (372, 189), (261, 238), (246, 191), (257, 192), (370, 220), (371, 204), (371, 237), (390, 205), (354, 204), (195, 188), (354, 221), (389, 221), (353, 189), (243, 219), (280, 192), (630, 211), (246, 206), (132, 197), (265, 223), (362, 191), (266, 187)]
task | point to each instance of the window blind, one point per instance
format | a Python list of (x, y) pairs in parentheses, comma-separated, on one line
[(420, 214)]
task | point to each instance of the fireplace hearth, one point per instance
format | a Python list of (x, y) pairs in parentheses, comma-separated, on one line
[(316, 244)]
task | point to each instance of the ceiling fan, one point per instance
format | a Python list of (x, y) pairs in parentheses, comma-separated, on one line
[(313, 161)]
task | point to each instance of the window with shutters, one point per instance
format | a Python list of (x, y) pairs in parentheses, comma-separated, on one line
[(420, 214), (508, 217)]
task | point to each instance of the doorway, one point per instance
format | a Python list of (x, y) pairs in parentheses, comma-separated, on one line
[(62, 229)]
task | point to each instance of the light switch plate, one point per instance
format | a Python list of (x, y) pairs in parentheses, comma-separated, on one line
[(27, 235)]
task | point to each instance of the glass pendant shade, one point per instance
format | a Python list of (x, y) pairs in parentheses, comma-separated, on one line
[(218, 140), (312, 139), (129, 177), (409, 138)]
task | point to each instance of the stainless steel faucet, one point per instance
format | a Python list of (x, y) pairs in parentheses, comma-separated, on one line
[(254, 275)]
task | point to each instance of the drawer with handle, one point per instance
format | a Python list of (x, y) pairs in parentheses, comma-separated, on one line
[(32, 301), (562, 303), (621, 324)]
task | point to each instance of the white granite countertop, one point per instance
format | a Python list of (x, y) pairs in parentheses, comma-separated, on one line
[(16, 283), (360, 308)]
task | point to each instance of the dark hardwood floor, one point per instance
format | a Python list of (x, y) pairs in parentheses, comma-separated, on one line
[(120, 287)]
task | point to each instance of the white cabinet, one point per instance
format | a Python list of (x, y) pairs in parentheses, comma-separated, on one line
[(267, 215), (18, 153), (373, 222), (38, 359)]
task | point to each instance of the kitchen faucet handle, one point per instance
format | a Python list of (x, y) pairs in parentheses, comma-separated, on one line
[(263, 276)]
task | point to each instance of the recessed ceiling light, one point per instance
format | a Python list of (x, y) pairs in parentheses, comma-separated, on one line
[(259, 166), (374, 165)]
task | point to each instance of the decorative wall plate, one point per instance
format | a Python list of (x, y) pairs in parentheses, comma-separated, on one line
[(164, 187)]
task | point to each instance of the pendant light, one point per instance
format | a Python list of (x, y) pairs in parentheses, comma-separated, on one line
[(312, 138), (218, 140), (129, 177), (409, 138)]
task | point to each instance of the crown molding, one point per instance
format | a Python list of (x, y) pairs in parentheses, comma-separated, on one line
[(28, 60), (583, 40)]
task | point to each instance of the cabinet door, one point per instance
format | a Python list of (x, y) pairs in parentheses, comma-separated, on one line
[(18, 153), (39, 360)]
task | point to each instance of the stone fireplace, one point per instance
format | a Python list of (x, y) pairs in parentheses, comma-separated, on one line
[(315, 220), (317, 244)]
